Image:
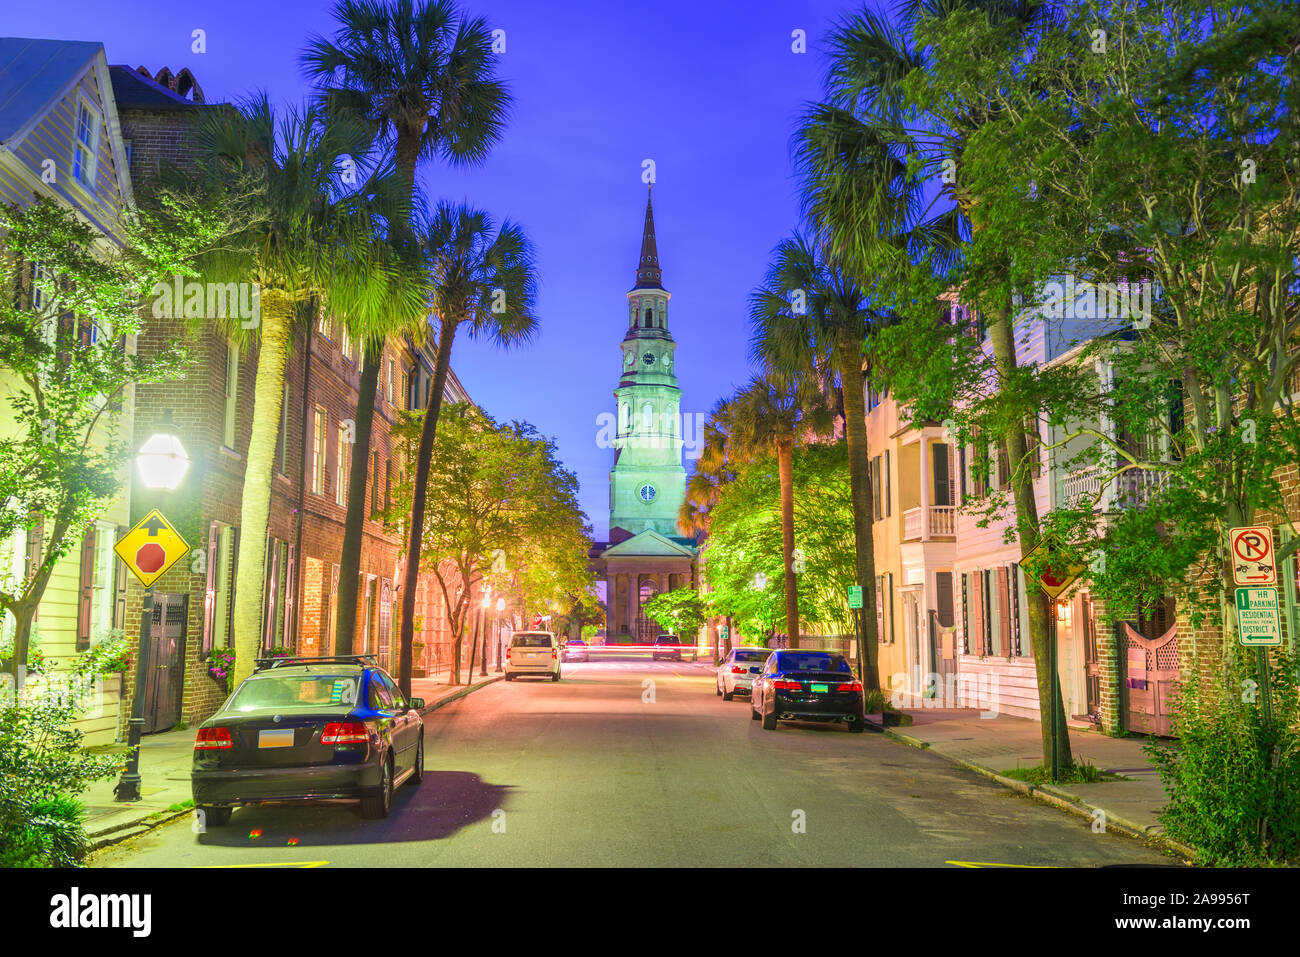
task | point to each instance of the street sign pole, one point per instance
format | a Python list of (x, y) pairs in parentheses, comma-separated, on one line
[(128, 787)]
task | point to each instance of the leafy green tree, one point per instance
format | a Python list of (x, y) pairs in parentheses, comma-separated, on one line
[(869, 154), (810, 318), (62, 335), (484, 279), (312, 235), (681, 611), (501, 508), (771, 413), (420, 76)]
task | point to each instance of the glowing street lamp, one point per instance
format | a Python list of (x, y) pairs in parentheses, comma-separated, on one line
[(162, 464)]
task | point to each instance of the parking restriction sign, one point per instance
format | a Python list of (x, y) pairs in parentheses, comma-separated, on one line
[(1251, 553), (1258, 619)]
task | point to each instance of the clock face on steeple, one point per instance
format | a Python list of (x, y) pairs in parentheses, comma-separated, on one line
[(647, 492), (648, 359)]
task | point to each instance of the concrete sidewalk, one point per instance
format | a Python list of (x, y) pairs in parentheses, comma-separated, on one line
[(165, 761), (991, 746)]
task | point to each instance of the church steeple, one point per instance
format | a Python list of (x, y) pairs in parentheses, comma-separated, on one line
[(648, 274)]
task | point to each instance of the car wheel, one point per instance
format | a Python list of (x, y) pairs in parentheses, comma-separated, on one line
[(753, 712), (417, 772), (719, 687), (215, 816), (857, 727), (769, 722), (728, 695), (555, 676), (377, 807), (509, 677)]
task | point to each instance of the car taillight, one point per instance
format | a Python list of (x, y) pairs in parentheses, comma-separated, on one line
[(850, 686), (781, 684), (209, 738), (555, 652), (344, 732), (737, 670)]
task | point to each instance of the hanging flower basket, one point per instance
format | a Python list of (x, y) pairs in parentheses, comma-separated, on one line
[(221, 663)]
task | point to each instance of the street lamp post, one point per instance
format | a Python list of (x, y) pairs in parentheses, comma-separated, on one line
[(162, 463), (501, 606)]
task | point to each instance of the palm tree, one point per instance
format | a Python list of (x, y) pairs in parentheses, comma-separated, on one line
[(713, 469), (773, 412), (483, 278), (419, 75), (809, 318), (304, 239), (861, 194)]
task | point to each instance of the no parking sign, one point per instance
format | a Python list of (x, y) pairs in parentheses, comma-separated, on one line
[(1251, 553)]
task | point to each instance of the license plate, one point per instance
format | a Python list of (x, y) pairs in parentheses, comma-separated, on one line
[(821, 688), (280, 738)]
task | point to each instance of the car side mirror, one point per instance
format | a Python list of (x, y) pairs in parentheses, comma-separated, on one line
[(417, 704)]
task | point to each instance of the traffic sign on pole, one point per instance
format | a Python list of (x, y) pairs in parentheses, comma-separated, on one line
[(151, 547), (855, 596), (1251, 548), (1258, 620), (1057, 574)]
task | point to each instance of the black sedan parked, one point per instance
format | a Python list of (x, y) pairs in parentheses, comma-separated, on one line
[(807, 686), (307, 729)]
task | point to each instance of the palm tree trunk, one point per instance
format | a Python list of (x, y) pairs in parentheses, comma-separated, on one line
[(354, 523), (849, 359), (255, 508), (415, 540), (1002, 338), (785, 466)]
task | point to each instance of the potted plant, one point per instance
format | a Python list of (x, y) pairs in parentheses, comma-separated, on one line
[(417, 660)]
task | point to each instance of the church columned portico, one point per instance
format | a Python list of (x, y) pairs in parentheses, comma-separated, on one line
[(645, 555)]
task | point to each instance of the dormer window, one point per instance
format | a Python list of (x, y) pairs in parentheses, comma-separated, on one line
[(86, 149)]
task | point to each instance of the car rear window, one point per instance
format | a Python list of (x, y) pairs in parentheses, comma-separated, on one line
[(752, 655), (812, 662), (295, 691), (530, 641), (666, 640)]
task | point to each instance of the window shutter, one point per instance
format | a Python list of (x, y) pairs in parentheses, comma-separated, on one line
[(942, 486), (120, 574), (1004, 612), (290, 588), (965, 613), (943, 597), (979, 644), (234, 564), (961, 471), (85, 594), (210, 590), (1017, 649), (271, 593), (888, 506)]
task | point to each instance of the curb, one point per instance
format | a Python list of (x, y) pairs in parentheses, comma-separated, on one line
[(129, 829), (1050, 795), (468, 689)]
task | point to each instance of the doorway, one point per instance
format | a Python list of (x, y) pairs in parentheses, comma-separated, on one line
[(165, 674)]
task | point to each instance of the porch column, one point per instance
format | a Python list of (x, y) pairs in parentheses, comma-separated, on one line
[(927, 487)]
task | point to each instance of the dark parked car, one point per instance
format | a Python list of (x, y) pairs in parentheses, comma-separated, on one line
[(807, 686), (667, 646), (575, 649), (306, 729)]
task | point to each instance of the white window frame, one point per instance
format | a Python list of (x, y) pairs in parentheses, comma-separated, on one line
[(79, 171)]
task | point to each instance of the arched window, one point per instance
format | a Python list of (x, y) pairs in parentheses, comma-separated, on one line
[(649, 318), (647, 417)]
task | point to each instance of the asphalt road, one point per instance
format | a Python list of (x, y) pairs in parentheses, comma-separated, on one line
[(640, 764)]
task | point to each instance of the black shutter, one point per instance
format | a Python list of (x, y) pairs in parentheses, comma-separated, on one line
[(942, 481), (210, 591), (120, 577)]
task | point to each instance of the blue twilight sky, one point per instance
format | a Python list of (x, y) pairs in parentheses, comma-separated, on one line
[(709, 91)]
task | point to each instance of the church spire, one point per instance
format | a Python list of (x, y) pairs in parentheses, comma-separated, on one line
[(648, 275)]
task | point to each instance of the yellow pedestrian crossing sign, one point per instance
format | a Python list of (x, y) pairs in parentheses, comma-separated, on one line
[(151, 548)]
